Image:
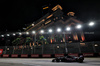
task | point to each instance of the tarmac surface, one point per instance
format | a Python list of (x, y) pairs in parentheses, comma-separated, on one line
[(46, 62)]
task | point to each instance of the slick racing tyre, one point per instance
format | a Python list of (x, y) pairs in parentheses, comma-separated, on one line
[(58, 60), (53, 60), (81, 61)]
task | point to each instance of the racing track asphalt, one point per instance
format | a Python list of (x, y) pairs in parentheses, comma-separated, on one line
[(46, 62)]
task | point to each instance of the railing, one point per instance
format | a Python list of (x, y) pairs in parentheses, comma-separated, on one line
[(86, 47)]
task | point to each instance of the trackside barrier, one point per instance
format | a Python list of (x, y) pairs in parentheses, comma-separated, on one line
[(14, 55), (88, 54), (24, 55), (59, 55), (46, 55), (73, 54), (5, 55), (35, 55), (99, 54), (1, 51)]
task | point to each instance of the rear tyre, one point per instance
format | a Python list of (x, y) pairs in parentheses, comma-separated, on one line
[(81, 61)]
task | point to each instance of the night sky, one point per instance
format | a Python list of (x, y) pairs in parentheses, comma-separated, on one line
[(16, 13)]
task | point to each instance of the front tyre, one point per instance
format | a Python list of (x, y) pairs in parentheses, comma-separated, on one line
[(53, 60), (58, 60)]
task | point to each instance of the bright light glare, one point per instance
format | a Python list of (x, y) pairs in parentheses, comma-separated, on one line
[(14, 34), (42, 31), (91, 23), (33, 32), (59, 30), (79, 26), (2, 35), (20, 33), (27, 33), (68, 28), (96, 45), (50, 30), (8, 35), (32, 24)]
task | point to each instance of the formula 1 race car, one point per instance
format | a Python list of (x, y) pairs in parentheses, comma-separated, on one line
[(69, 59)]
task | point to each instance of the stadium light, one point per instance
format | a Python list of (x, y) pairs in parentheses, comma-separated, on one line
[(14, 34), (33, 32), (27, 33), (24, 28), (58, 47), (79, 26), (59, 30), (96, 45), (2, 35), (20, 33), (42, 31), (32, 24), (91, 23), (8, 35), (50, 30), (68, 28)]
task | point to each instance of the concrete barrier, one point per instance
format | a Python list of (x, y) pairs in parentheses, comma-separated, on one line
[(59, 55), (24, 55), (35, 55), (1, 51), (73, 54), (5, 55), (99, 54), (46, 55), (88, 54), (14, 55)]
